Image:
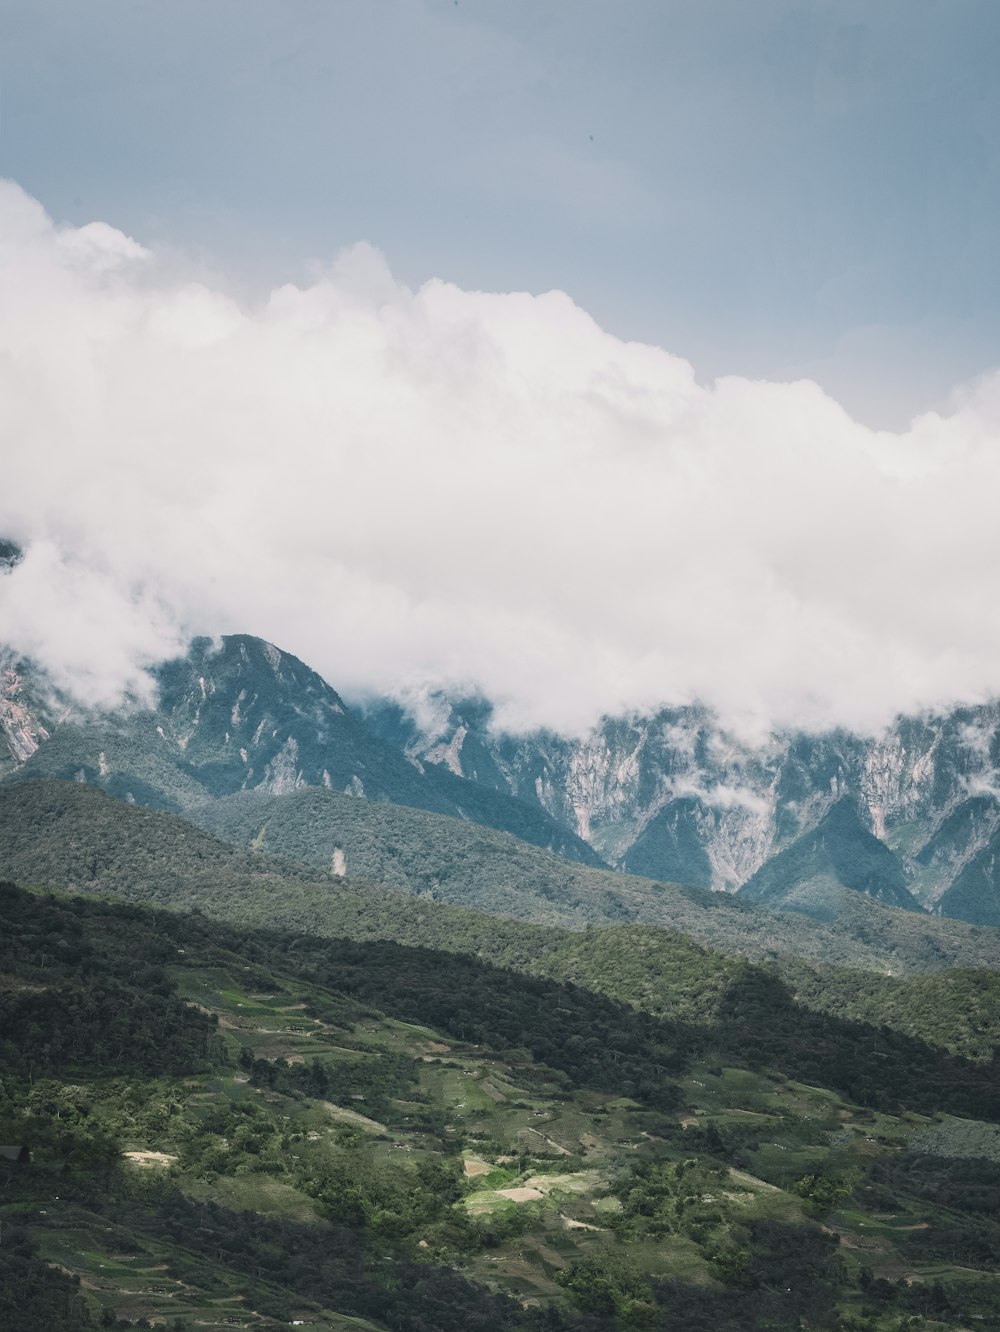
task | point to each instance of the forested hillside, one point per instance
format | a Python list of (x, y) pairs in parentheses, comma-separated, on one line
[(65, 834), (298, 1096), (252, 1128)]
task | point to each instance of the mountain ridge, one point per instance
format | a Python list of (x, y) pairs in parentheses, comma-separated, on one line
[(670, 797), (839, 853), (674, 794), (241, 714)]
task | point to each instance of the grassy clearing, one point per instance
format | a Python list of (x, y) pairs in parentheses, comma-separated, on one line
[(256, 1193)]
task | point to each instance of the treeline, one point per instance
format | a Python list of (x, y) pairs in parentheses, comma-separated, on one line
[(874, 1066), (598, 1042), (592, 1039), (34, 1296), (91, 997), (957, 1009)]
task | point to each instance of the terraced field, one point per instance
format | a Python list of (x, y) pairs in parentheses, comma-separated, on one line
[(316, 1117), (538, 1164)]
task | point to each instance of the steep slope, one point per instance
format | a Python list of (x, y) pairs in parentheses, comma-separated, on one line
[(60, 835), (674, 795), (646, 791), (673, 844), (839, 853), (975, 893), (235, 1127), (244, 714), (27, 714), (239, 715)]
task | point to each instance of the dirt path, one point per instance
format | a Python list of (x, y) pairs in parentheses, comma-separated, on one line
[(150, 1158), (752, 1181)]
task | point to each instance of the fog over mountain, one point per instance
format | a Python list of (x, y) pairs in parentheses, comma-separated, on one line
[(467, 490)]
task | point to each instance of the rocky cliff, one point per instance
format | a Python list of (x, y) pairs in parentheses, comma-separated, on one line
[(674, 796)]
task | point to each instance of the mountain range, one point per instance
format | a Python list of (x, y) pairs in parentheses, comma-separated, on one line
[(312, 1017), (910, 818), (675, 796)]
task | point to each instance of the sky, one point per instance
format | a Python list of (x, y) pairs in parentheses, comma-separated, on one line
[(769, 189), (595, 356)]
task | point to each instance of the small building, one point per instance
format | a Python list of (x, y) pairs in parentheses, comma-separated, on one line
[(18, 1154)]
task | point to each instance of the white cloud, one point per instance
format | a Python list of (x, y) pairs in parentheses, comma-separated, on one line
[(978, 739), (458, 487), (95, 632), (719, 795)]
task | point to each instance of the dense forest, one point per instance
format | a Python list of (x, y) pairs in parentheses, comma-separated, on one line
[(67, 835)]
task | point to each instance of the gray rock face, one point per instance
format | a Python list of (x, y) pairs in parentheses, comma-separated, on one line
[(674, 796), (671, 796), (240, 715), (21, 723)]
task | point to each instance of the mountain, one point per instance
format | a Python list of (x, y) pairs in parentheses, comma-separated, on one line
[(28, 714), (839, 853), (674, 795), (671, 797), (237, 715), (975, 893)]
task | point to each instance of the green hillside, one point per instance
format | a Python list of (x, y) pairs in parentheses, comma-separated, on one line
[(251, 1128), (445, 859), (68, 835), (839, 853)]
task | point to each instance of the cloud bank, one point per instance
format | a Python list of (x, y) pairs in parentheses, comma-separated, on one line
[(459, 489)]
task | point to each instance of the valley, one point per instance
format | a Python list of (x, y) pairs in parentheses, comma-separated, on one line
[(329, 1104), (499, 697), (301, 1027)]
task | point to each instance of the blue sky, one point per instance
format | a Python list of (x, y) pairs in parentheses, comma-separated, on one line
[(774, 188)]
